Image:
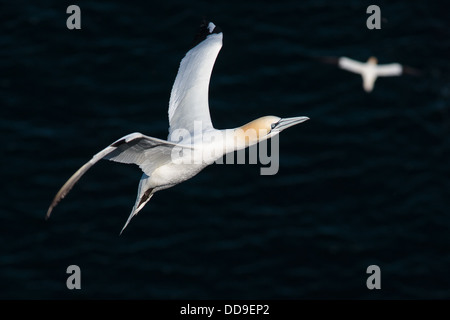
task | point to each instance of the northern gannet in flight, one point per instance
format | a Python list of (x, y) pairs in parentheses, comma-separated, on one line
[(188, 109), (370, 70)]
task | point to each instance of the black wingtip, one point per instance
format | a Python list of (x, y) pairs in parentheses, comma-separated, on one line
[(411, 71), (328, 59), (206, 28)]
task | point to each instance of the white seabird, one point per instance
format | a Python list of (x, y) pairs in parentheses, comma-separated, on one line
[(370, 70), (188, 107)]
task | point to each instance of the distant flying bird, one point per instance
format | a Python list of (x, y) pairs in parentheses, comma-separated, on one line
[(370, 70), (188, 107)]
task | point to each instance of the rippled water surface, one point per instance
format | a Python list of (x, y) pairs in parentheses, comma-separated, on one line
[(365, 181)]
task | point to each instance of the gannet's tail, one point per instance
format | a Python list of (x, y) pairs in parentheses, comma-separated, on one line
[(144, 195)]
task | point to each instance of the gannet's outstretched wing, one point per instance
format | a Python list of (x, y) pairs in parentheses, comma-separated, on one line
[(147, 152), (351, 65), (189, 96), (392, 69)]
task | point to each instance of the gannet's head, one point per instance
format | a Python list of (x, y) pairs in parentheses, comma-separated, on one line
[(266, 127), (372, 60)]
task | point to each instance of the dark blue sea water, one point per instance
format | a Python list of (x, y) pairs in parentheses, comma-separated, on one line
[(365, 181)]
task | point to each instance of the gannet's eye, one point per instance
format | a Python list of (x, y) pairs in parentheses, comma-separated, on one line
[(273, 125)]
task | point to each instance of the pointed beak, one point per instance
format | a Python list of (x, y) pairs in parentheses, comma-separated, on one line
[(288, 122)]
